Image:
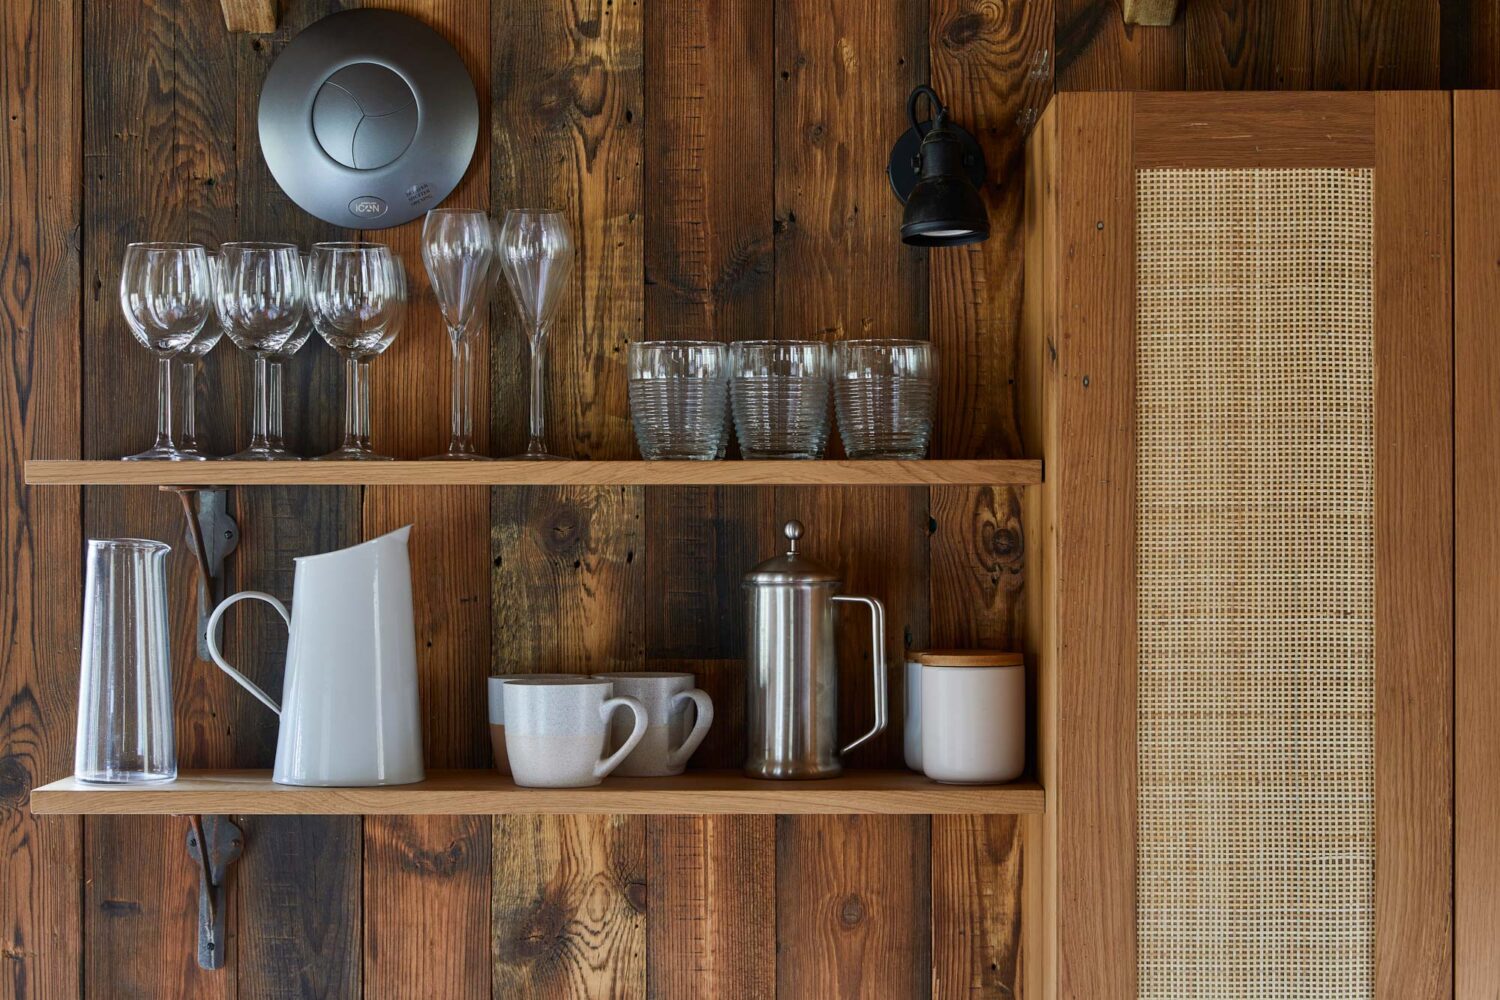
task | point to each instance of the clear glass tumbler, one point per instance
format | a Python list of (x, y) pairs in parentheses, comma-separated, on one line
[(780, 391), (125, 687), (883, 392), (678, 393)]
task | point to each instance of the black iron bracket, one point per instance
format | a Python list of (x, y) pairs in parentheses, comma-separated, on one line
[(224, 843), (212, 535)]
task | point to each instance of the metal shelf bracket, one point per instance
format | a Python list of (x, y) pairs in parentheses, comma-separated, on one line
[(212, 535), (225, 842)]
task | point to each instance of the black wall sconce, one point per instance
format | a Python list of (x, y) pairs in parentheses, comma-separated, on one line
[(936, 168)]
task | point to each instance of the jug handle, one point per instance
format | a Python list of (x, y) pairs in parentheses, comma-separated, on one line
[(877, 658), (213, 642)]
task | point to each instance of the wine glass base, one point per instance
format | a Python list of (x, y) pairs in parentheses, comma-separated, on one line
[(352, 455), (194, 455), (458, 456), (263, 455), (157, 455), (528, 457)]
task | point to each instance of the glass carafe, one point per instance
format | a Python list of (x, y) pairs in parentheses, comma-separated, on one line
[(125, 687)]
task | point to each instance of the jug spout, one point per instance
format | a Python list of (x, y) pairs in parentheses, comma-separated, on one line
[(390, 538)]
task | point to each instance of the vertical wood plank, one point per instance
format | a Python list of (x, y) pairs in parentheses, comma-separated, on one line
[(976, 906), (1097, 50), (40, 300), (1414, 512), (1369, 45), (851, 906), (1240, 45), (711, 920), (567, 134), (1092, 475), (569, 907), (1476, 466)]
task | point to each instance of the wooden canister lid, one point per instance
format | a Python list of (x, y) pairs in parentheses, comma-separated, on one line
[(968, 658)]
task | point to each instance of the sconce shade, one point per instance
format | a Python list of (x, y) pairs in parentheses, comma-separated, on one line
[(937, 174)]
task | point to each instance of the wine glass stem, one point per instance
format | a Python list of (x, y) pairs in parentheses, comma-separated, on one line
[(276, 405), (189, 404), (538, 443), (364, 404), (260, 417), (164, 403), (351, 403), (461, 442)]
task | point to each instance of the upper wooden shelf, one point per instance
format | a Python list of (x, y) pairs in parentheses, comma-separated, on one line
[(487, 793), (955, 472)]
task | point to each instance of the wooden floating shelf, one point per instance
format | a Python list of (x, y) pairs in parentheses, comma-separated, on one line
[(487, 793), (956, 472)]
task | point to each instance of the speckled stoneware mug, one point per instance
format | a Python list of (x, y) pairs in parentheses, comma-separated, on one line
[(496, 686), (669, 740), (557, 731)]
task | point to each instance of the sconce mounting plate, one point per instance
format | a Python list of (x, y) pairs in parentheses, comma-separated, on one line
[(902, 168)]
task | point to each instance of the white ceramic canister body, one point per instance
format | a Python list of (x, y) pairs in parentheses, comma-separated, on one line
[(912, 721), (973, 706)]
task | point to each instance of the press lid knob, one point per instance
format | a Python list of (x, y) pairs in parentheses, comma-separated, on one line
[(793, 531), (792, 567)]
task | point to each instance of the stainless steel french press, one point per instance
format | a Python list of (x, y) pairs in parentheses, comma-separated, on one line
[(793, 676)]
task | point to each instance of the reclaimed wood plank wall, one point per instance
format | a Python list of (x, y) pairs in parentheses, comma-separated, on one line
[(722, 161)]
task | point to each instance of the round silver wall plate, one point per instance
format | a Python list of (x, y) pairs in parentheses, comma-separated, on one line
[(368, 119)]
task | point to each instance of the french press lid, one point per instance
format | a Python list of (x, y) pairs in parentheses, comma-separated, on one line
[(791, 568)]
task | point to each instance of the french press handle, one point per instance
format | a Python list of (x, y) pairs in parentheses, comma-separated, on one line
[(877, 657)]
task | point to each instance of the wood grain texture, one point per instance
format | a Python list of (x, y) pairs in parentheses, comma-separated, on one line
[(1476, 544), (297, 894), (567, 133), (483, 792), (865, 472), (1093, 471), (427, 906), (569, 907), (1241, 45), (852, 907), (1096, 50), (711, 897), (1254, 130), (249, 15), (40, 301), (976, 906), (1414, 512), (1368, 45)]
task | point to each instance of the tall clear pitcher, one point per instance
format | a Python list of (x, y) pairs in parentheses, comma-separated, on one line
[(125, 687)]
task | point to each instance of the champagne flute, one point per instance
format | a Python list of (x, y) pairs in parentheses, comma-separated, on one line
[(278, 359), (191, 363), (358, 303), (166, 294), (458, 250), (536, 253), (261, 301)]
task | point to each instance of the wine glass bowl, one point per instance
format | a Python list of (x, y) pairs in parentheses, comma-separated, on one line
[(166, 294), (261, 298), (536, 254)]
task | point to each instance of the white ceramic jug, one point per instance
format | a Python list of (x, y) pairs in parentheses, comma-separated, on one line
[(349, 712)]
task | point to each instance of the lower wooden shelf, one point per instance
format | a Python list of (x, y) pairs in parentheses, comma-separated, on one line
[(487, 793)]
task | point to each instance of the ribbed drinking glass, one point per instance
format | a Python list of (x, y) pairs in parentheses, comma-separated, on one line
[(883, 392), (678, 393), (780, 391), (125, 684)]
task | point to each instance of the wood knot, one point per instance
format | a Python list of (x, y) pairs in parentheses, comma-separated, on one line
[(852, 911), (15, 783), (635, 895)]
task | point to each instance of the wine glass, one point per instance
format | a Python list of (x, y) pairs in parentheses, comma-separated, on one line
[(191, 359), (166, 294), (278, 359), (358, 303), (458, 249), (536, 253), (261, 301)]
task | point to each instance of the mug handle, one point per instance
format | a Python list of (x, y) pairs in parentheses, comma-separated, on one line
[(608, 764), (705, 718), (213, 642)]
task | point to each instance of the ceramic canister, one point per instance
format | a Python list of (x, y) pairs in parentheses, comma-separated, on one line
[(973, 705), (496, 686), (912, 722)]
